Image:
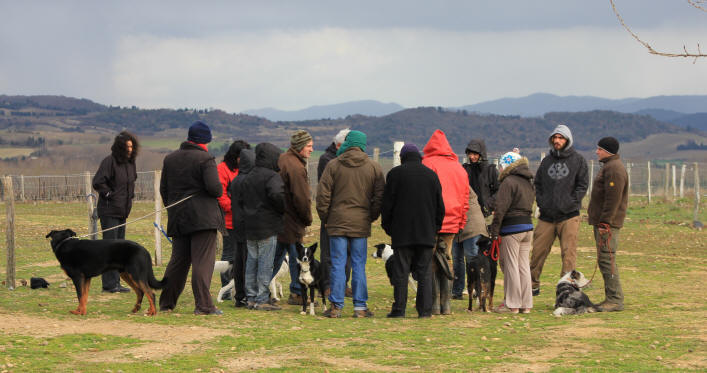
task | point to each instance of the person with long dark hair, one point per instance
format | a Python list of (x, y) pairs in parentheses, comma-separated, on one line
[(115, 183)]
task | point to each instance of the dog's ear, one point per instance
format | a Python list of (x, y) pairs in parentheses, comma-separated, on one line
[(71, 233), (49, 234), (312, 249), (575, 275)]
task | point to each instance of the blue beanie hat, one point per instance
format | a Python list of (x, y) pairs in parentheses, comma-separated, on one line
[(199, 133), (407, 148)]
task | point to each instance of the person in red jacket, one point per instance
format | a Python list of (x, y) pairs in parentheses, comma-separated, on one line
[(440, 158), (227, 171)]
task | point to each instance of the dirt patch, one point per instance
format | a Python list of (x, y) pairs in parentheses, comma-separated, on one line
[(159, 340), (256, 360), (357, 365)]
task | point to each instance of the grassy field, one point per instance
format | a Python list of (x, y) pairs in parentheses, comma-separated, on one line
[(662, 262)]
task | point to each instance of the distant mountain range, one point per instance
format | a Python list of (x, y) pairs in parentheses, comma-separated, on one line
[(364, 107)]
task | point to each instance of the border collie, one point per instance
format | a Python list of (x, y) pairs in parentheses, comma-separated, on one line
[(570, 300), (384, 251)]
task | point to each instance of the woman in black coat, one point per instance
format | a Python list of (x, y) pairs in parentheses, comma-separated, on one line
[(115, 183)]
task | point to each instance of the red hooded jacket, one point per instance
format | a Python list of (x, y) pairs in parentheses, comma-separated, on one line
[(440, 158), (225, 176)]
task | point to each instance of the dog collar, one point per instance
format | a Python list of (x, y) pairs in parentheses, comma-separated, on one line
[(62, 242)]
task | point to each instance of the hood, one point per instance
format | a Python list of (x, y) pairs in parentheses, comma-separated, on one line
[(331, 149), (439, 146), (247, 161), (411, 157), (356, 139), (267, 155), (565, 132), (519, 168), (353, 157), (477, 146)]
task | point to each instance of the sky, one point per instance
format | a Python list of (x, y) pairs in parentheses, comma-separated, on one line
[(240, 55)]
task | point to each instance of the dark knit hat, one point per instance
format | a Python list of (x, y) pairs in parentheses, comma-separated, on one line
[(299, 139), (609, 144), (407, 148), (199, 133)]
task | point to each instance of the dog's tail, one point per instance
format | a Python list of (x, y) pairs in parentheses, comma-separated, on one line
[(152, 281)]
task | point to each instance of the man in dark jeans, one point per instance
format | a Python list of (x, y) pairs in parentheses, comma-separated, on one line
[(412, 214), (115, 183)]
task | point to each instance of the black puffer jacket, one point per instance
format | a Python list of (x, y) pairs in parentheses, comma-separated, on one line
[(245, 166), (413, 208), (483, 177), (191, 170), (329, 154), (561, 181), (262, 195), (115, 183)]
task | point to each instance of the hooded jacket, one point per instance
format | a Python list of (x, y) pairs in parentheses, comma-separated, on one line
[(561, 180), (483, 177), (245, 166), (440, 158), (226, 175), (514, 200), (298, 196), (413, 208), (261, 195), (609, 199), (329, 154), (350, 194), (191, 170), (115, 183)]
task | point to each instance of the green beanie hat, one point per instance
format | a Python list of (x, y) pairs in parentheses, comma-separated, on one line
[(355, 139)]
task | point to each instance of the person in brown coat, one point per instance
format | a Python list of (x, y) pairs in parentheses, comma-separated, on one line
[(607, 210), (349, 199), (191, 172), (298, 207)]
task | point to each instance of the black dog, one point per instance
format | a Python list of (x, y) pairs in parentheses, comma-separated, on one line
[(83, 259), (481, 273), (38, 282), (310, 275)]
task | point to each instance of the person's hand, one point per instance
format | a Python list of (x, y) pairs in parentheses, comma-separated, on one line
[(604, 228)]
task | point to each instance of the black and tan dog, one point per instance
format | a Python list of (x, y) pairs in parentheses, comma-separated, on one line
[(481, 273), (83, 259)]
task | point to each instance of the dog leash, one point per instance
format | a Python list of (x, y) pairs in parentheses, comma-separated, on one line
[(603, 243), (495, 249), (138, 219)]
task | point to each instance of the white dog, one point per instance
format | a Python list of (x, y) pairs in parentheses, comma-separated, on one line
[(222, 266), (275, 285)]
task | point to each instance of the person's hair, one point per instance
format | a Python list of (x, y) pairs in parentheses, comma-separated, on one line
[(120, 151), (234, 151)]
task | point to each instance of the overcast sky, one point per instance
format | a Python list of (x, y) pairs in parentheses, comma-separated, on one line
[(238, 55)]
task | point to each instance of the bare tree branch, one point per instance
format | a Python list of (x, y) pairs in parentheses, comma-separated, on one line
[(686, 54)]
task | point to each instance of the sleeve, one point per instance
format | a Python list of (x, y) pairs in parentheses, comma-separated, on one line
[(321, 166), (465, 206), (493, 188), (163, 186), (613, 188), (210, 178), (275, 190), (324, 188), (439, 215), (225, 200), (503, 203), (102, 180), (537, 182), (378, 188), (581, 181), (301, 195)]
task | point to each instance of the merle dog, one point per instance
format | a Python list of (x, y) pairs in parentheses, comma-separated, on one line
[(311, 276), (481, 273), (570, 300)]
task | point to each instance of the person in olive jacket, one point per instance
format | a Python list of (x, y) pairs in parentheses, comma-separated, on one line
[(193, 224), (115, 183), (412, 214)]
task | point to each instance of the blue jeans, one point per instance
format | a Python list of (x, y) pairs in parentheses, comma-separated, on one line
[(467, 249), (258, 270), (291, 249), (359, 250)]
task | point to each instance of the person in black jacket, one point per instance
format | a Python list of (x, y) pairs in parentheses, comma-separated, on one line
[(192, 224), (561, 182), (261, 198), (246, 162), (115, 183), (324, 253), (412, 214)]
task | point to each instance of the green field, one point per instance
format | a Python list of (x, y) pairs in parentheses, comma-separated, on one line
[(661, 259), (15, 152)]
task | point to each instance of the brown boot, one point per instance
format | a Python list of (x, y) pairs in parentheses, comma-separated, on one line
[(611, 307), (333, 312), (362, 313), (294, 299)]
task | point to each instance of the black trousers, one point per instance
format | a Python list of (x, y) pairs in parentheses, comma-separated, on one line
[(239, 258), (417, 260), (325, 256), (196, 250), (111, 279), (229, 248)]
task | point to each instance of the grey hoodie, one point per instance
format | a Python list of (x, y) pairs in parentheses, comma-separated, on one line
[(566, 133)]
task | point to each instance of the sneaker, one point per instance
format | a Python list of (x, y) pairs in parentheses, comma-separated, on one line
[(216, 312), (242, 303), (395, 314), (503, 309), (348, 293), (457, 297), (266, 307), (362, 313), (524, 310), (294, 300), (536, 292), (333, 312), (610, 307)]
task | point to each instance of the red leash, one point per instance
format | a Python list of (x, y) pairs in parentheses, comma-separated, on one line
[(495, 249)]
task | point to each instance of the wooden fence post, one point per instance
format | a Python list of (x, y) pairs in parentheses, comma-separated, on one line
[(22, 188), (10, 231), (649, 182), (675, 185), (696, 212), (667, 182), (158, 219), (92, 219), (376, 155), (628, 172), (591, 175), (397, 147), (682, 180)]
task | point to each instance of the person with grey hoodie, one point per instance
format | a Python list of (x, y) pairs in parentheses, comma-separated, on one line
[(561, 182)]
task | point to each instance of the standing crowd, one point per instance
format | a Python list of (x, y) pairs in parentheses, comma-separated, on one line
[(436, 211)]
